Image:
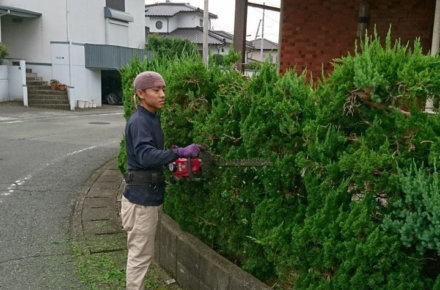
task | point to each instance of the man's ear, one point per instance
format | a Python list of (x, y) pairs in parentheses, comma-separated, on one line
[(139, 93)]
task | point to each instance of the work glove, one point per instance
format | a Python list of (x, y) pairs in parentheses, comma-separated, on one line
[(188, 151)]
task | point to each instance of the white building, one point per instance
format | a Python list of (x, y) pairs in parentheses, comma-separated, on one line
[(256, 53), (73, 41), (181, 20)]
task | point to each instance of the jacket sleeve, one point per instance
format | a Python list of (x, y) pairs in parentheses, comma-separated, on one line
[(145, 150)]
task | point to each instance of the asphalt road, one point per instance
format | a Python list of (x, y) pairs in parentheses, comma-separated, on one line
[(46, 156)]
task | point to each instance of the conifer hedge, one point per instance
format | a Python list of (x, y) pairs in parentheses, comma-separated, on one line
[(352, 200)]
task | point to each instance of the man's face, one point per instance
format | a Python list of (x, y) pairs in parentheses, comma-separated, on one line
[(152, 99)]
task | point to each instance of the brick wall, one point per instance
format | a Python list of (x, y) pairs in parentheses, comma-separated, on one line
[(314, 32)]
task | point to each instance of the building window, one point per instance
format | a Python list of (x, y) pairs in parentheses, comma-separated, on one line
[(159, 24), (116, 4)]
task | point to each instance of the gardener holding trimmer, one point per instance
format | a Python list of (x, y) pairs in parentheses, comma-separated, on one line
[(143, 196)]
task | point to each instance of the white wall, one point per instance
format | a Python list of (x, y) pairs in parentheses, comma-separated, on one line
[(117, 32), (29, 39), (218, 50), (16, 82), (88, 24), (60, 62), (4, 83), (186, 20), (54, 42), (86, 21), (256, 55), (151, 23), (79, 21), (136, 32), (94, 86), (84, 84)]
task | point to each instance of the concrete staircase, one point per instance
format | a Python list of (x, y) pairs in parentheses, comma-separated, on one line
[(41, 95)]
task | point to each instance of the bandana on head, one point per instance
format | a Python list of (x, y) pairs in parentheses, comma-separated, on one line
[(147, 80)]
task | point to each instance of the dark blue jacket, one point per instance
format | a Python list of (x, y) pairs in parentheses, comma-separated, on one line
[(145, 150)]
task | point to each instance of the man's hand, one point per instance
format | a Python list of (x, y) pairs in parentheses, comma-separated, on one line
[(189, 151)]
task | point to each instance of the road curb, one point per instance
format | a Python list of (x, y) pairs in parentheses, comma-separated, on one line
[(77, 223)]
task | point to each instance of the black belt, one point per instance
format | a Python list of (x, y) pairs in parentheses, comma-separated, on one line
[(144, 177)]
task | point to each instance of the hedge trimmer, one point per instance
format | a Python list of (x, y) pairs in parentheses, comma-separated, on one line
[(196, 168)]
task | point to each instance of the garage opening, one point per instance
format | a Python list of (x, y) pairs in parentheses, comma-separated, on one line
[(111, 88)]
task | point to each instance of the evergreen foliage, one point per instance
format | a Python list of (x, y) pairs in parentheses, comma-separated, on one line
[(167, 47), (416, 215), (352, 198), (3, 52)]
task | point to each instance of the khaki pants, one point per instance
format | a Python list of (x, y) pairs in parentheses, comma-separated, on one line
[(140, 223)]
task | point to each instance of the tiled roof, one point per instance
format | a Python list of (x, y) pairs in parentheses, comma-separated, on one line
[(229, 38), (226, 35), (171, 9), (267, 44), (195, 35)]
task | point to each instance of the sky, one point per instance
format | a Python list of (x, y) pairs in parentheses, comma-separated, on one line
[(225, 11)]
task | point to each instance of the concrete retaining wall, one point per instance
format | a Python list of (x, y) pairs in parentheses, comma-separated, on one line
[(195, 265)]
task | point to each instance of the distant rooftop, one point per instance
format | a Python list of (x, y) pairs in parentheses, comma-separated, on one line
[(171, 9), (224, 34), (267, 44), (195, 35)]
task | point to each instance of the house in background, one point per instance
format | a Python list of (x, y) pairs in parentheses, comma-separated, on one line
[(80, 43), (181, 20), (255, 52)]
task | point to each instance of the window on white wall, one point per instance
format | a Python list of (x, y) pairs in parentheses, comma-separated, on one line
[(116, 4)]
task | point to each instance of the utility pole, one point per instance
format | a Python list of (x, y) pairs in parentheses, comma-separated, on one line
[(258, 29), (205, 32), (262, 37)]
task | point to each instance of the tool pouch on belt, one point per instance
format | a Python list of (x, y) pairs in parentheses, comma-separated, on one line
[(144, 177)]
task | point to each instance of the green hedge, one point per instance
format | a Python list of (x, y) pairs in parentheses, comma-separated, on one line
[(352, 199), (3, 52)]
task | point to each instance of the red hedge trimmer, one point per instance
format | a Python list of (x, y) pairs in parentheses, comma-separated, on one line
[(200, 167)]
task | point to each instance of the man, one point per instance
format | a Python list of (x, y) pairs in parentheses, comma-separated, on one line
[(146, 157)]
